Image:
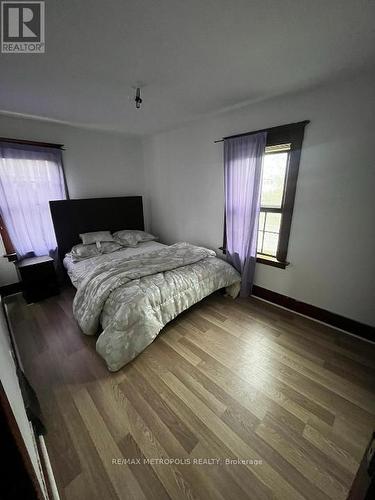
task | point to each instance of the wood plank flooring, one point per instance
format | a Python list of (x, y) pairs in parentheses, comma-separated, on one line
[(281, 406)]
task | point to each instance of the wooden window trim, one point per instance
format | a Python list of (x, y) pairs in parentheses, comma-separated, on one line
[(24, 142), (292, 133), (8, 245), (271, 261)]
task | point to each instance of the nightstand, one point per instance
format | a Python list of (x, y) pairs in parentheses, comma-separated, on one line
[(38, 276)]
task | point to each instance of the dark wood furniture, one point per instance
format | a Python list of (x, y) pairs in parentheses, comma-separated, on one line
[(38, 276), (73, 217)]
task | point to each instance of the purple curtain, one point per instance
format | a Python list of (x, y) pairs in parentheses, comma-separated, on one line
[(30, 177), (243, 158)]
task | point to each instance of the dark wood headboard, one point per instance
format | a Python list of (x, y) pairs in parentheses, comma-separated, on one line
[(73, 217)]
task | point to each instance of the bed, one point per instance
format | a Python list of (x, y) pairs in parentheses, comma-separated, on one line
[(131, 294)]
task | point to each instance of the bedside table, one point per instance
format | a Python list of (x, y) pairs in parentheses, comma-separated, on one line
[(38, 276)]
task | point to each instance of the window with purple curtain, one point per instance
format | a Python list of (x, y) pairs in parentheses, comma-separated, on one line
[(30, 176), (243, 157)]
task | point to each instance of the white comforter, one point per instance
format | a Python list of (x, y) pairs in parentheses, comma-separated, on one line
[(77, 271), (134, 298)]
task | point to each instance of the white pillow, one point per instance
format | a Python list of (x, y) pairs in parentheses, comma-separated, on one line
[(93, 237), (81, 252), (109, 246), (131, 238)]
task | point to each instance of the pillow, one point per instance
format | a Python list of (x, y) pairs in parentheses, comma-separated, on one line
[(109, 246), (81, 252), (131, 238), (88, 238)]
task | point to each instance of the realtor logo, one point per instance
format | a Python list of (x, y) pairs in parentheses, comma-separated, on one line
[(22, 27)]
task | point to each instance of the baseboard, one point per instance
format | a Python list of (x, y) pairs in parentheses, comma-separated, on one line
[(48, 475), (328, 317), (10, 289)]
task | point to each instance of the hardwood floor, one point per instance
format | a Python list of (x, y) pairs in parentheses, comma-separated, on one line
[(227, 380)]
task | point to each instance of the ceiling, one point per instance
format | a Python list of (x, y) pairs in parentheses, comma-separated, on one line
[(194, 57)]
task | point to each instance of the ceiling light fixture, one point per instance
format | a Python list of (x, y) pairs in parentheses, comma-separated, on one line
[(137, 99)]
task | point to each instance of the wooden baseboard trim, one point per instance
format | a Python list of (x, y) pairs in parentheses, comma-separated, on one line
[(10, 289), (328, 317)]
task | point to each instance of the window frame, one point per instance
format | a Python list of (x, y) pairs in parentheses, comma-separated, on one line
[(292, 134), (269, 210), (8, 244)]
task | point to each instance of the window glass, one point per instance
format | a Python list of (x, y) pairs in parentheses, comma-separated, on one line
[(270, 241), (272, 222), (272, 192), (273, 179)]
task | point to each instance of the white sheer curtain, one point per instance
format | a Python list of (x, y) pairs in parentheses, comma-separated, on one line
[(30, 176), (243, 158)]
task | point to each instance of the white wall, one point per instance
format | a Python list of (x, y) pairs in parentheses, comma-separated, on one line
[(96, 163), (331, 250)]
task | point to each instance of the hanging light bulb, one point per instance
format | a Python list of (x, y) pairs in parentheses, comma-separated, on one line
[(137, 99)]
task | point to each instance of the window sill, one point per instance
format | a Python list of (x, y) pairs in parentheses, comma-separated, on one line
[(265, 259), (271, 261)]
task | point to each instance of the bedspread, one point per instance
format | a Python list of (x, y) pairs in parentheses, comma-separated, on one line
[(134, 298)]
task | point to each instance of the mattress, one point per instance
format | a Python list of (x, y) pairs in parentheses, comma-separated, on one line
[(78, 270)]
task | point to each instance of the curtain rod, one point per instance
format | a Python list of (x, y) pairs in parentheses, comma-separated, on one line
[(33, 143), (305, 122)]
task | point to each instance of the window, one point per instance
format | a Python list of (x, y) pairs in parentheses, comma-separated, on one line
[(278, 189), (272, 194), (30, 176), (279, 179)]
